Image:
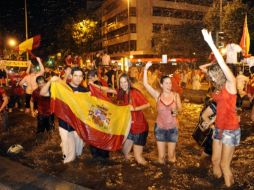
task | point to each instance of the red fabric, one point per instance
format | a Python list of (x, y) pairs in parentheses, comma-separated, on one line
[(103, 82), (18, 90), (176, 84), (250, 86), (226, 117), (43, 103), (98, 93), (36, 41), (2, 92), (88, 134), (138, 121)]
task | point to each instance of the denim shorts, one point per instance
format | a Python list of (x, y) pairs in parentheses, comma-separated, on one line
[(228, 137), (166, 135), (138, 139)]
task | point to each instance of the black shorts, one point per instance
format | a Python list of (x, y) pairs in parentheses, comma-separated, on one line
[(28, 98), (138, 139), (45, 123)]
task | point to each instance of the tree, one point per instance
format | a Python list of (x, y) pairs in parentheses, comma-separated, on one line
[(183, 41), (232, 20), (84, 31)]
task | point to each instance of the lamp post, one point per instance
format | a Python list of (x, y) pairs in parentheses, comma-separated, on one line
[(26, 26)]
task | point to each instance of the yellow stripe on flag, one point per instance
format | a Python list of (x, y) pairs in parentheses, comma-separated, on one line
[(97, 113), (26, 45)]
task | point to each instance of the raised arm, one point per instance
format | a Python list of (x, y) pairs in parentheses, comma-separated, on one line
[(41, 72), (104, 88), (231, 81), (203, 68), (148, 87), (5, 102), (45, 89)]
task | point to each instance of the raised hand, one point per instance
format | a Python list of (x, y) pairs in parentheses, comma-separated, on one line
[(148, 65), (207, 36), (38, 59), (54, 78)]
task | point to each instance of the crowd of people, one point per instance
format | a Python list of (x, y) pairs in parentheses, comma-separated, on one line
[(34, 86)]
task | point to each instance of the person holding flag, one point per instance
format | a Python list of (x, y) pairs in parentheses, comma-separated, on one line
[(127, 95)]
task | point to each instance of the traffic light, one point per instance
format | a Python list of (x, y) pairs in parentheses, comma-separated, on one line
[(220, 39)]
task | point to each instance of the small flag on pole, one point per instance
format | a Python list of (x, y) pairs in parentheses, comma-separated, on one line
[(29, 44), (245, 40)]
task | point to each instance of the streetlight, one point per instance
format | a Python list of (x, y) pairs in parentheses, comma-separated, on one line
[(12, 42)]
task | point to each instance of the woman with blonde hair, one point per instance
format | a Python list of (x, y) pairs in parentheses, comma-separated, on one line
[(227, 129), (168, 105)]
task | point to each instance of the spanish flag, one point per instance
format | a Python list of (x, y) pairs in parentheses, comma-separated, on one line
[(245, 40), (29, 44), (98, 121)]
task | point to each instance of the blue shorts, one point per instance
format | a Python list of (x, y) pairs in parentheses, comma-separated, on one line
[(138, 139), (166, 135), (228, 137)]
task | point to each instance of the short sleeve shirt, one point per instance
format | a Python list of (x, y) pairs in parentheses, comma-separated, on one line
[(232, 50)]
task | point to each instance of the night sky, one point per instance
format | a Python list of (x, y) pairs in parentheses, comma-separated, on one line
[(45, 17)]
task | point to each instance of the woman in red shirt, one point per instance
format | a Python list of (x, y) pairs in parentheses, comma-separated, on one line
[(136, 139), (227, 130)]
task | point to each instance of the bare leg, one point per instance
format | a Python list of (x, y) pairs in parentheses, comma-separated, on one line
[(226, 158), (171, 152), (216, 158), (127, 148), (138, 154), (161, 152)]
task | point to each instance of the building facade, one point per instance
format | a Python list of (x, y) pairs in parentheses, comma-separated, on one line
[(128, 26)]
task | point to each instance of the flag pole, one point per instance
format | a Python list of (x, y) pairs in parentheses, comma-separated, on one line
[(27, 56)]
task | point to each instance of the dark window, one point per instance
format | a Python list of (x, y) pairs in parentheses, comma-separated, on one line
[(123, 47), (157, 27), (132, 11), (177, 13), (197, 2)]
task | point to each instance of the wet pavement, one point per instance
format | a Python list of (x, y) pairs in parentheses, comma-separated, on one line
[(39, 165)]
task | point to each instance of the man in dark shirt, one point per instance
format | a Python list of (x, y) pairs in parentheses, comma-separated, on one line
[(45, 120), (72, 144)]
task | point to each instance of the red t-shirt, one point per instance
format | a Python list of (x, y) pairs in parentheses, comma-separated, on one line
[(2, 92), (226, 116), (138, 121), (43, 103)]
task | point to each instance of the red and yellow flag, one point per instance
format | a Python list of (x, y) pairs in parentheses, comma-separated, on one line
[(29, 44), (97, 121), (245, 40)]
